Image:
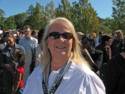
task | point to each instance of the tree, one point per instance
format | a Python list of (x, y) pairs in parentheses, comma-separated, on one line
[(35, 17), (10, 23), (1, 13), (119, 14), (20, 19), (50, 10), (84, 16), (1, 18), (30, 10)]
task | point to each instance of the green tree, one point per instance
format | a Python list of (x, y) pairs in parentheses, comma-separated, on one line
[(10, 23), (80, 13), (35, 17), (119, 14), (1, 13), (106, 25), (20, 19), (1, 18), (30, 10), (84, 16), (50, 10)]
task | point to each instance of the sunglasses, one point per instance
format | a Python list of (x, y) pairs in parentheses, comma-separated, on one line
[(57, 35)]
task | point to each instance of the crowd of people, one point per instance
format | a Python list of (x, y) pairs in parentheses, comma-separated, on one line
[(59, 60)]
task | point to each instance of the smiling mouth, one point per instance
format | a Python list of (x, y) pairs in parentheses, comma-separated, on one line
[(61, 47)]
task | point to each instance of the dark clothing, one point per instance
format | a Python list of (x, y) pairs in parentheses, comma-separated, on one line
[(114, 76), (104, 52), (97, 56), (105, 60), (10, 59), (117, 46)]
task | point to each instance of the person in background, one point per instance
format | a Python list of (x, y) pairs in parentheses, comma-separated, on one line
[(12, 57), (19, 36), (34, 34), (105, 48), (85, 52), (65, 71), (1, 31), (30, 44), (114, 76), (98, 38), (39, 48), (118, 42)]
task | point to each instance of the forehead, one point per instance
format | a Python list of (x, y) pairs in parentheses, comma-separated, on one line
[(27, 30), (60, 27)]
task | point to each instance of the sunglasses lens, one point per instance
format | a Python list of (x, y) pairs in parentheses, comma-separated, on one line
[(56, 35), (67, 35)]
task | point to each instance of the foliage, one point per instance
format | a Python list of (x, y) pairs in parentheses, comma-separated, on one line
[(119, 14), (10, 23), (50, 10), (1, 13), (1, 18), (20, 19), (80, 13), (34, 18), (106, 25)]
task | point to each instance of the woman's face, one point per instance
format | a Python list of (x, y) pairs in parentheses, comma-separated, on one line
[(60, 41)]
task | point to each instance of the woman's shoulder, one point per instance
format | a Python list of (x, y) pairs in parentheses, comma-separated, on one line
[(33, 84), (37, 73), (85, 71), (83, 68), (89, 78)]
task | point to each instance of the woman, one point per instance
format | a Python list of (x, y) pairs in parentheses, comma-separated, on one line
[(65, 71)]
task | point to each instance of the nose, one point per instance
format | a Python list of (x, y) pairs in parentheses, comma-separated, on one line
[(61, 38)]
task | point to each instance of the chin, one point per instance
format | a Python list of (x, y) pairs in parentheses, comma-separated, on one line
[(63, 53), (60, 55)]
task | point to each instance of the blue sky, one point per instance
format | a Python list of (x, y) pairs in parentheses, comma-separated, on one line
[(12, 7), (102, 7)]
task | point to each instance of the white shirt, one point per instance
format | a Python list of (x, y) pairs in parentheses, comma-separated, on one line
[(77, 80), (29, 45)]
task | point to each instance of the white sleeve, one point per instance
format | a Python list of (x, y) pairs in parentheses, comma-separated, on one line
[(93, 85), (34, 83), (28, 87)]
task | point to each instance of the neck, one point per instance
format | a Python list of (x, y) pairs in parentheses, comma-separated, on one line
[(57, 65)]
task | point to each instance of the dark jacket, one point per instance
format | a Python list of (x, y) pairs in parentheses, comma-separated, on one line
[(10, 59), (114, 76)]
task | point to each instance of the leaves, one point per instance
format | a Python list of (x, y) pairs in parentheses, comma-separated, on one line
[(119, 14), (80, 12)]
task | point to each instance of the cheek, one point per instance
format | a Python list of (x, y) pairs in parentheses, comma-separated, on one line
[(50, 44)]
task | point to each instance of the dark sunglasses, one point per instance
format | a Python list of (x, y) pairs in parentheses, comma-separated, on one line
[(56, 35)]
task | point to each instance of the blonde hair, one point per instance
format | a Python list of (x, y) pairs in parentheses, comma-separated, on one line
[(119, 34), (76, 51)]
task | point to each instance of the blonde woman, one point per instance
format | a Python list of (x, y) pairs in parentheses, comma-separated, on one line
[(65, 71)]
